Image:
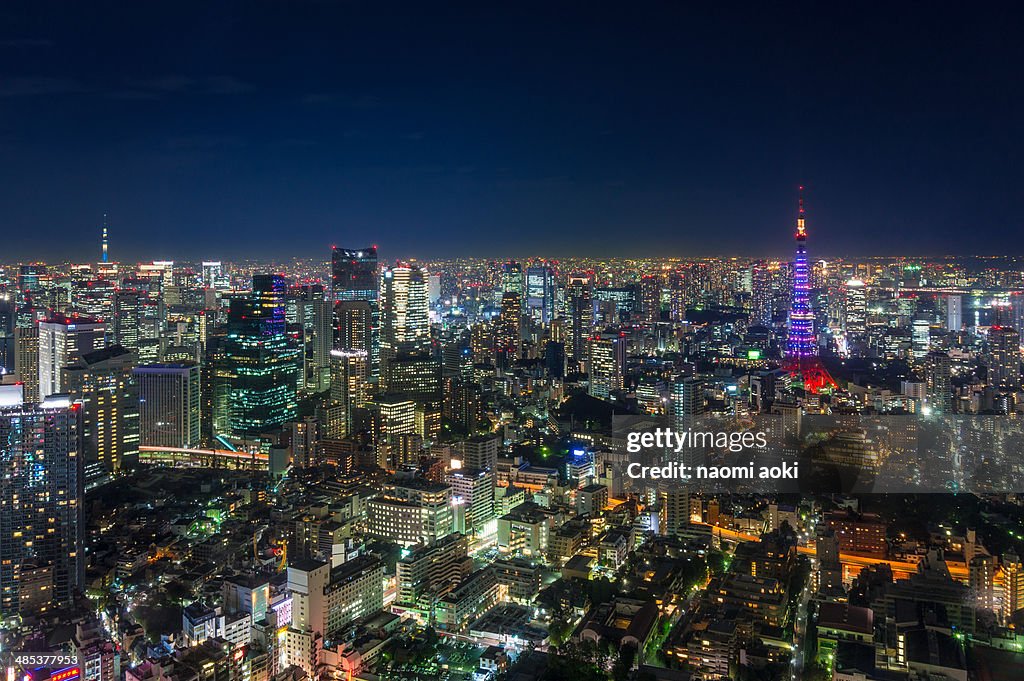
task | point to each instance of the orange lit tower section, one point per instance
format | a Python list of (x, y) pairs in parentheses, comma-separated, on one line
[(802, 361)]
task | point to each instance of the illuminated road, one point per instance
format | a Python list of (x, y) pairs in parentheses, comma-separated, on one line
[(852, 563), (202, 458)]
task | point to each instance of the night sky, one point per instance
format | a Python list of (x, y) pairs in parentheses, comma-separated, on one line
[(221, 130)]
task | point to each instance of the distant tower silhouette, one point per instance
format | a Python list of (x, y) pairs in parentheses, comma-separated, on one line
[(106, 242), (802, 360)]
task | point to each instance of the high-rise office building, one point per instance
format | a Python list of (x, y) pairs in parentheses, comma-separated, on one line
[(214, 276), (7, 324), (354, 273), (355, 278), (855, 309), (473, 490), (30, 277), (1004, 356), (314, 317), (457, 358), (26, 360), (353, 325), (920, 338), (938, 368), (350, 388), (262, 362), (540, 293), (606, 364), (508, 339), (512, 278), (614, 305), (405, 321), (215, 386), (41, 487), (103, 383), (393, 416), (580, 311), (417, 377), (650, 297), (954, 313), (169, 405), (303, 438), (761, 299), (62, 341), (688, 398), (130, 309)]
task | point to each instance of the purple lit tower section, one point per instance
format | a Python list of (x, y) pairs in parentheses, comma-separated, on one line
[(801, 342), (802, 361)]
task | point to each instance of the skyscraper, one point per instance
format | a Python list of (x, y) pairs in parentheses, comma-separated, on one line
[(30, 278), (26, 360), (650, 297), (512, 278), (41, 526), (937, 371), (169, 405), (354, 273), (1004, 356), (213, 275), (579, 304), (392, 417), (762, 299), (540, 293), (687, 397), (350, 387), (103, 383), (63, 340), (508, 339), (354, 278), (954, 313), (262, 363), (920, 338), (606, 364), (314, 315), (405, 321), (353, 320), (130, 307), (855, 308)]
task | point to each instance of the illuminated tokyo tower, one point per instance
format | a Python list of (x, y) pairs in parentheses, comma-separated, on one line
[(802, 360)]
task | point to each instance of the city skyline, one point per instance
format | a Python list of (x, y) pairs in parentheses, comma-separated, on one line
[(382, 341)]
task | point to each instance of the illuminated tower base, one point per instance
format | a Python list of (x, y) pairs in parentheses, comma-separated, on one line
[(809, 373)]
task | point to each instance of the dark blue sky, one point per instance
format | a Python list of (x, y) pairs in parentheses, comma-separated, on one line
[(222, 130)]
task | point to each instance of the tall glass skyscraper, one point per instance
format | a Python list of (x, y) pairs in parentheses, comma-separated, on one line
[(354, 280), (354, 273), (262, 362), (405, 312), (540, 293)]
